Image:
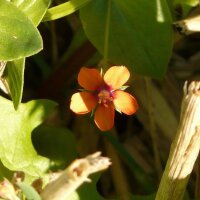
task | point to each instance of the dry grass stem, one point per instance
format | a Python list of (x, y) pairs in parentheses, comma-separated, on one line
[(185, 147)]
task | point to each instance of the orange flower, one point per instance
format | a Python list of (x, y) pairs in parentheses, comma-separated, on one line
[(104, 94)]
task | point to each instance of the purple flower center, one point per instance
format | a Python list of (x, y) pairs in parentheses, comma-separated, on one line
[(105, 97)]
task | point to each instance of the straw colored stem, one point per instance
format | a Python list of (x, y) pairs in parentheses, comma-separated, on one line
[(185, 147), (67, 181)]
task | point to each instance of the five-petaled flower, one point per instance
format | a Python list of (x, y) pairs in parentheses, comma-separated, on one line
[(104, 94)]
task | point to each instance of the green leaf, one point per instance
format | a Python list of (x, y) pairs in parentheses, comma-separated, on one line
[(64, 9), (15, 79), (16, 150), (35, 10), (136, 33), (19, 37), (29, 191), (56, 143)]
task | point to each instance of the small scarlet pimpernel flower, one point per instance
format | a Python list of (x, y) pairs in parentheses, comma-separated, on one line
[(103, 94)]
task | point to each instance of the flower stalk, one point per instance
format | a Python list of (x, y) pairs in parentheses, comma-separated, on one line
[(185, 147)]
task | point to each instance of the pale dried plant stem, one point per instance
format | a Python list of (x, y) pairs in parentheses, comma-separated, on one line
[(185, 147), (67, 181), (189, 25)]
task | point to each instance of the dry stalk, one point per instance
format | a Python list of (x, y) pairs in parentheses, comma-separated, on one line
[(185, 147), (75, 175), (189, 25)]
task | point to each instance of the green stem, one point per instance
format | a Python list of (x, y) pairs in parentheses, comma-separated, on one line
[(64, 9)]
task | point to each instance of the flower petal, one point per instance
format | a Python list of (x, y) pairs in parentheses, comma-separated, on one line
[(82, 102), (104, 117), (125, 102), (116, 76), (90, 79)]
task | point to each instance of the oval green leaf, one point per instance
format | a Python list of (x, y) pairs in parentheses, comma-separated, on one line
[(35, 10), (135, 33), (19, 37), (55, 143), (16, 150)]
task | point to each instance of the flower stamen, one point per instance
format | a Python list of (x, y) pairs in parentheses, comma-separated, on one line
[(104, 97)]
